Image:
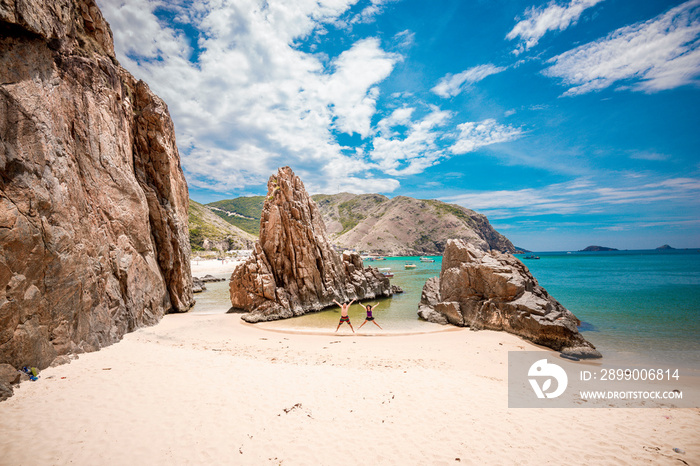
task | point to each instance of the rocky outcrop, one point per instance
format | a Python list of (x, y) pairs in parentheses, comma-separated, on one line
[(294, 269), (430, 297), (489, 290), (8, 376), (93, 201)]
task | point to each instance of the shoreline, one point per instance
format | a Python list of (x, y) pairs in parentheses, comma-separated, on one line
[(631, 356), (205, 388)]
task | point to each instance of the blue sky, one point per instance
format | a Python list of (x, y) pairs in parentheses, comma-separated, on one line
[(568, 123)]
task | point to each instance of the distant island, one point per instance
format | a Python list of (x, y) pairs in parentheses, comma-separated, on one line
[(665, 247), (598, 248)]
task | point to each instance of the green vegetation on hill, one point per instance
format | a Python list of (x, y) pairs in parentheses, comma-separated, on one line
[(443, 208), (243, 212), (401, 225), (205, 226), (199, 228), (349, 217), (348, 209)]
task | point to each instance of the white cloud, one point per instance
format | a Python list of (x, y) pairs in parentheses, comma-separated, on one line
[(662, 53), (586, 196), (645, 155), (416, 150), (538, 21), (473, 135), (349, 89), (371, 11), (453, 84), (404, 39), (244, 98)]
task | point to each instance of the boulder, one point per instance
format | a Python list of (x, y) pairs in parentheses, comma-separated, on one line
[(430, 297), (210, 279), (489, 290), (198, 285), (6, 391), (8, 374), (294, 268), (93, 201)]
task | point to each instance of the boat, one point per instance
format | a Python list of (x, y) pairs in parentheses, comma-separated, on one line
[(380, 258), (410, 266), (426, 259), (531, 257), (388, 274)]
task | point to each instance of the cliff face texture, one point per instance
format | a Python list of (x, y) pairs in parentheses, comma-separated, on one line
[(496, 291), (294, 269), (93, 201)]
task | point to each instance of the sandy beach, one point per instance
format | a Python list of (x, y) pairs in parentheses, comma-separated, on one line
[(215, 267), (199, 389)]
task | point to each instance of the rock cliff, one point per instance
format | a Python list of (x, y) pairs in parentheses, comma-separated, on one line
[(294, 269), (488, 290), (93, 201)]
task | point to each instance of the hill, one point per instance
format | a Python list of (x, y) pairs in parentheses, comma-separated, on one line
[(597, 248), (242, 212), (208, 231), (374, 223), (404, 225)]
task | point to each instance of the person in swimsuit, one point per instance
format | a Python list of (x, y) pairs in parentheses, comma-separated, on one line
[(369, 317), (344, 314)]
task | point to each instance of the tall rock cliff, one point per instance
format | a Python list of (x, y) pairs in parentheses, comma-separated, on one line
[(294, 269), (489, 290), (93, 201)]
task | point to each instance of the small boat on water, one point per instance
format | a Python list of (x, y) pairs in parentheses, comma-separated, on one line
[(388, 274), (410, 266), (531, 257), (380, 258), (426, 259)]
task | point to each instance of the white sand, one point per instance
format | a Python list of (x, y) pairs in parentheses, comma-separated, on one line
[(212, 389), (215, 267)]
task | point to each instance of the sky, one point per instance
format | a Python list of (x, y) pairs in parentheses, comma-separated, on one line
[(567, 123)]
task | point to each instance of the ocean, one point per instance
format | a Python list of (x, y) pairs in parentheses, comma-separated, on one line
[(642, 304)]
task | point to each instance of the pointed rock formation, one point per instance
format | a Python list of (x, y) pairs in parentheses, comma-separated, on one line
[(489, 290), (93, 201), (294, 268)]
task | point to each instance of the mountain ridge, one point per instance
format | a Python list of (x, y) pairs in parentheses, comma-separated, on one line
[(378, 224)]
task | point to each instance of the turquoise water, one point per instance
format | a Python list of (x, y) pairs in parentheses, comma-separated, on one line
[(397, 314), (638, 302)]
